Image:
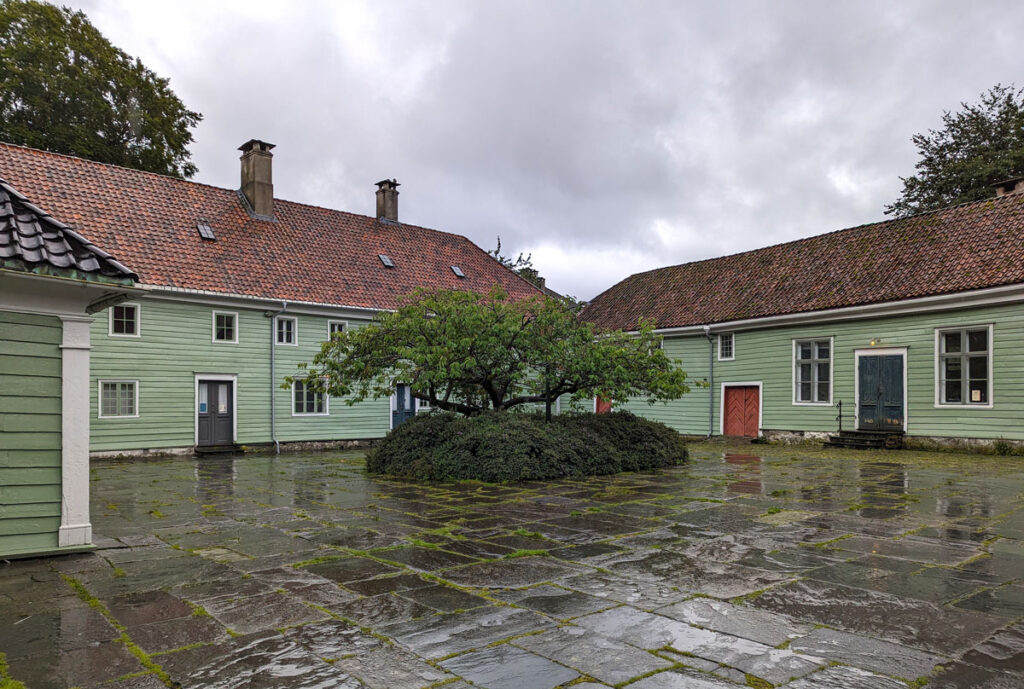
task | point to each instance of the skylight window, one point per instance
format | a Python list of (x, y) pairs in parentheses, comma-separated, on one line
[(458, 272), (386, 260), (205, 230)]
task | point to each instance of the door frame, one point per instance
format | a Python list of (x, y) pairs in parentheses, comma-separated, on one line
[(879, 351), (223, 377), (393, 405), (760, 405)]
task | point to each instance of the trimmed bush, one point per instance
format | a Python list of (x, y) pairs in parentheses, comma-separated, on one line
[(504, 446)]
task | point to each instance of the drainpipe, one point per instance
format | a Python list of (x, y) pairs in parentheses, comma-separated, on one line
[(272, 315), (711, 380)]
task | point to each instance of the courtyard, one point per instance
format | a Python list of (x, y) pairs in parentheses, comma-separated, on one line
[(750, 565)]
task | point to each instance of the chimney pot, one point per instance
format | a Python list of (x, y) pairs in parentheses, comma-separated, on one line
[(387, 199), (1014, 185), (257, 180)]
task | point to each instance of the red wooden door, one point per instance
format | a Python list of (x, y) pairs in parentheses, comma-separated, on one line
[(604, 405), (742, 410)]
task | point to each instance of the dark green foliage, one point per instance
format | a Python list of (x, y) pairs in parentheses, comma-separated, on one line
[(65, 88), (500, 446), (977, 147)]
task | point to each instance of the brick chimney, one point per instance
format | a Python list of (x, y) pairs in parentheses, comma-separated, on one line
[(257, 182), (1014, 185), (387, 199)]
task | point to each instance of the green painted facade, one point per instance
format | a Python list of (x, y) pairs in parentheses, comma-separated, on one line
[(765, 356), (175, 343), (30, 432)]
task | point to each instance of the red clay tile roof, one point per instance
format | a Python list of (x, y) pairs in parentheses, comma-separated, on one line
[(310, 254), (966, 247), (32, 240)]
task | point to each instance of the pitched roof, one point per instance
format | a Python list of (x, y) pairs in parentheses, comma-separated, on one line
[(966, 247), (32, 240), (309, 254)]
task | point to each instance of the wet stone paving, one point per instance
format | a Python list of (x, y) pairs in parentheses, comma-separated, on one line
[(756, 566)]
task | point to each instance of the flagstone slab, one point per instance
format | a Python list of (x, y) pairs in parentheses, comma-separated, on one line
[(592, 654), (509, 667), (867, 653)]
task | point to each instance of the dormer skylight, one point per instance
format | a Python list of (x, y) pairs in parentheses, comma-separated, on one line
[(458, 272), (386, 260), (205, 230)]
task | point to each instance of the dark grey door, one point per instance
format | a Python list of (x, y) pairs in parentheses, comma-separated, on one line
[(404, 406), (881, 393), (216, 412)]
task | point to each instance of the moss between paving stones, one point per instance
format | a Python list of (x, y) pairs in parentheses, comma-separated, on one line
[(504, 446)]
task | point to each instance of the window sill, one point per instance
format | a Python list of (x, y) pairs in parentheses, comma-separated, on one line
[(964, 406)]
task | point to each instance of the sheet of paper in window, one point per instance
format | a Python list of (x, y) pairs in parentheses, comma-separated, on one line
[(975, 395)]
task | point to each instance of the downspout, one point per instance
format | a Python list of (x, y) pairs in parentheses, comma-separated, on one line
[(711, 380), (272, 315)]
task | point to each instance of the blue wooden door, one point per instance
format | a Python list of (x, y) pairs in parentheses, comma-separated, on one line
[(881, 393), (405, 407)]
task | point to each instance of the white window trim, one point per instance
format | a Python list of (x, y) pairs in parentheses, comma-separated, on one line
[(99, 398), (138, 320), (760, 405), (831, 371), (938, 367), (213, 326), (335, 321), (727, 358), (325, 412), (221, 377), (879, 351), (295, 331)]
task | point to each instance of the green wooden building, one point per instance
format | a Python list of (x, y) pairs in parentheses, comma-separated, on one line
[(52, 280), (912, 326), (238, 289)]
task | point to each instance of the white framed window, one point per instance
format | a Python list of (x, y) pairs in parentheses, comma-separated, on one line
[(287, 331), (118, 399), (225, 326), (812, 371), (423, 406), (963, 367), (726, 347), (308, 402), (336, 327), (125, 320)]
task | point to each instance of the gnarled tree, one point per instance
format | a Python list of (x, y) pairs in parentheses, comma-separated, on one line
[(467, 352)]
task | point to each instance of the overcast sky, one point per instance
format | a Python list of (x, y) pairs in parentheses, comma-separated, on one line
[(605, 138)]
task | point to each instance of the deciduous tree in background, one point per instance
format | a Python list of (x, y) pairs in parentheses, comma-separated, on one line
[(466, 352), (65, 88), (976, 147)]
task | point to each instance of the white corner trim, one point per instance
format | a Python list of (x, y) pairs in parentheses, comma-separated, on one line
[(75, 528), (938, 366), (879, 351), (760, 403), (831, 371), (213, 326), (220, 377), (138, 319)]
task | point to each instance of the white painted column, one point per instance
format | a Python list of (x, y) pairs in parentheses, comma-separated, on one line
[(75, 528)]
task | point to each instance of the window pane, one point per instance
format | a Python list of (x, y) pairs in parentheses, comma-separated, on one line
[(823, 372), (204, 398), (951, 342), (804, 373), (222, 398), (952, 390), (978, 367), (124, 320), (977, 340), (109, 401), (953, 368), (298, 396), (804, 392), (803, 350), (979, 392), (127, 406), (823, 391), (823, 349)]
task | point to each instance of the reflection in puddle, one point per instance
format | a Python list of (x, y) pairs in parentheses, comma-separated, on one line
[(749, 467)]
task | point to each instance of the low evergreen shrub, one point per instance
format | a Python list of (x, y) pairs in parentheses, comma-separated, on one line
[(505, 446)]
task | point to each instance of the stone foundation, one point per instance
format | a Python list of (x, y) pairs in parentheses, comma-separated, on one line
[(794, 437), (294, 446)]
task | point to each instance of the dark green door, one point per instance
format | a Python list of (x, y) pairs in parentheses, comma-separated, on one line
[(881, 392), (404, 409)]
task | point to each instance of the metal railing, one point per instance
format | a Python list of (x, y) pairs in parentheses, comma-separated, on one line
[(839, 418)]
